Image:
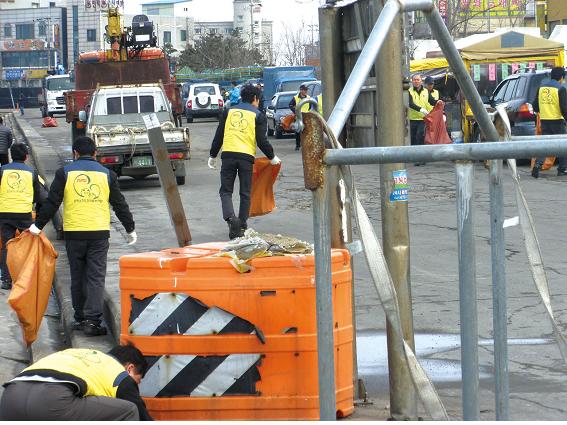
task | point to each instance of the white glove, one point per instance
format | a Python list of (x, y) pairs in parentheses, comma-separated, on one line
[(275, 161), (34, 230), (423, 111), (212, 163), (132, 238)]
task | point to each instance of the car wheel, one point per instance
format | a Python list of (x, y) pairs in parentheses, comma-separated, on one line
[(180, 180), (279, 132)]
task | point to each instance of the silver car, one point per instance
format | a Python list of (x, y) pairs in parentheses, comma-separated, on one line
[(277, 109)]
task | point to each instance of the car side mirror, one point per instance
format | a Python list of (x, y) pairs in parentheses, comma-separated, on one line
[(82, 116)]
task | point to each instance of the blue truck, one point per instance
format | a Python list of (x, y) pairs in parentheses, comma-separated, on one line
[(285, 78)]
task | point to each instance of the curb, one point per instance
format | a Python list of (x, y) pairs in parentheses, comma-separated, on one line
[(41, 152)]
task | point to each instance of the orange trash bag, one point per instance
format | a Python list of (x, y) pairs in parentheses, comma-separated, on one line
[(435, 128), (264, 176), (49, 122), (550, 160), (287, 121), (31, 261)]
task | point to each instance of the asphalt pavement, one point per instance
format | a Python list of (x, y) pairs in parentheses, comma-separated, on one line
[(537, 373)]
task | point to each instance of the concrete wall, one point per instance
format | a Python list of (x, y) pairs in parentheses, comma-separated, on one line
[(556, 10)]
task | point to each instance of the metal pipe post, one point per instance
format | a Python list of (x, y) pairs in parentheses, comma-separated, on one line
[(363, 66), (499, 314), (324, 294), (390, 113), (332, 82), (467, 289), (453, 152)]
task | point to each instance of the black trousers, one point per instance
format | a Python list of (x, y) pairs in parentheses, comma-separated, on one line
[(42, 401), (87, 261), (297, 140), (229, 169), (8, 231), (417, 132), (4, 159), (553, 127)]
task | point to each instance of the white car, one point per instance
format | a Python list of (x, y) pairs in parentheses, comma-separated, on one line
[(204, 100)]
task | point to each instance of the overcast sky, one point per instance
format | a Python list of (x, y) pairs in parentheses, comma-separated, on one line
[(289, 11)]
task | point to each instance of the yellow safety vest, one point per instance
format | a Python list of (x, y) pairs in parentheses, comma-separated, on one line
[(421, 100), (304, 108), (85, 200), (434, 95), (99, 372), (548, 98), (320, 104), (16, 189), (240, 132)]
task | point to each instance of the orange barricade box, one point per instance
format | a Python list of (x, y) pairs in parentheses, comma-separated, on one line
[(228, 346)]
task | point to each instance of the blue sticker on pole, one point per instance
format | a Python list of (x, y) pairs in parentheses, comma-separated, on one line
[(400, 191)]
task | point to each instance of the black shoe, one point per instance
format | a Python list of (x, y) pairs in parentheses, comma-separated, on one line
[(233, 227), (535, 172), (297, 148), (561, 172), (77, 325), (93, 329), (243, 228), (6, 285)]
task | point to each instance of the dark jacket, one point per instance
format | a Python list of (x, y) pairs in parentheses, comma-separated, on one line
[(6, 139), (55, 198), (261, 136)]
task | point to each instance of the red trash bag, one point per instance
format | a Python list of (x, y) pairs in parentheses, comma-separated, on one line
[(49, 122), (435, 128), (31, 261), (263, 178)]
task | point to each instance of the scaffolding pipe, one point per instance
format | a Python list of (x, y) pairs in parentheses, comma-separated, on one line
[(453, 152)]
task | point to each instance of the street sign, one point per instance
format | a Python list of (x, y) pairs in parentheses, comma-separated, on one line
[(13, 74)]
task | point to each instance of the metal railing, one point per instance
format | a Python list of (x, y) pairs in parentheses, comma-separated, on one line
[(318, 160)]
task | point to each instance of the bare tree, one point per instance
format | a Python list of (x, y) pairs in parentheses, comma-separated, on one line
[(290, 49)]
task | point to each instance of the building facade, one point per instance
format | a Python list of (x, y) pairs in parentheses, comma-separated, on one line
[(32, 41), (248, 21), (556, 14)]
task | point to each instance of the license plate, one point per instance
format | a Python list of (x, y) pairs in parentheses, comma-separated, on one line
[(142, 161)]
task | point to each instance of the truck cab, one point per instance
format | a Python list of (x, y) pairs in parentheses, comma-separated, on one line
[(53, 99), (115, 122)]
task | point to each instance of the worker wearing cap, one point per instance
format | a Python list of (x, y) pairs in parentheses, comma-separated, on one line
[(420, 104), (429, 84), (20, 188), (306, 107), (87, 190), (78, 385), (551, 103), (241, 129)]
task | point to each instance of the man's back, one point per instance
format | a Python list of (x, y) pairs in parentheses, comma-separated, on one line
[(6, 138)]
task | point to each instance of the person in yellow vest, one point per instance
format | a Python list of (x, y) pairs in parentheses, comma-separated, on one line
[(429, 84), (551, 103), (420, 104), (20, 189), (240, 130), (78, 385), (87, 190), (293, 103)]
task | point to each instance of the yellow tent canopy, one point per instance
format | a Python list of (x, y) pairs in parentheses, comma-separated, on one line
[(509, 46)]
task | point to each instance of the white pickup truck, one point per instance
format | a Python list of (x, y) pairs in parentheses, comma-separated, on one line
[(114, 121)]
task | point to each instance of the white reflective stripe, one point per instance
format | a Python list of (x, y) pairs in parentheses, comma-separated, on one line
[(162, 373), (225, 375), (213, 321), (159, 309)]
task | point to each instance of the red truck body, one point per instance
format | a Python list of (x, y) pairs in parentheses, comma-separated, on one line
[(89, 75)]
